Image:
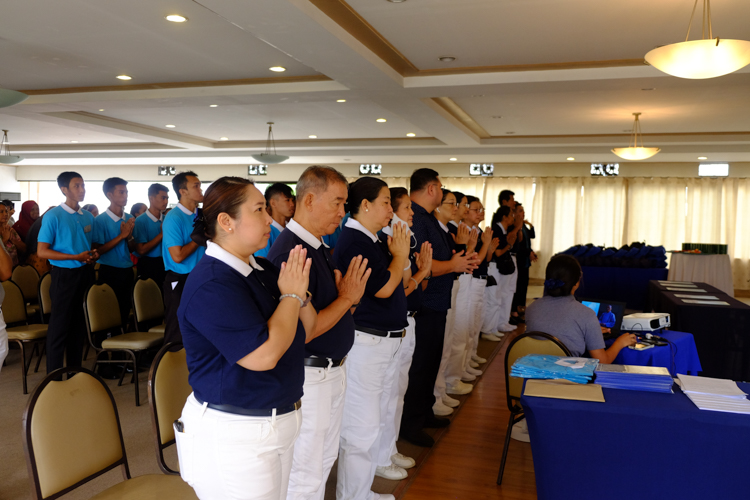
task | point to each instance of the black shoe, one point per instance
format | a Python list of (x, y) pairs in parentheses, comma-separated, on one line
[(437, 423), (514, 320), (420, 438)]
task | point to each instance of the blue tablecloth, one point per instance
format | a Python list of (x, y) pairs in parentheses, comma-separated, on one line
[(622, 284), (637, 445), (680, 356)]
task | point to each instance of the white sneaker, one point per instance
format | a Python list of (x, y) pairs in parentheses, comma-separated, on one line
[(392, 472), (449, 401), (403, 461), (507, 328), (478, 359), (468, 377), (473, 364), (380, 496), (474, 371), (459, 388), (490, 337), (520, 432), (441, 410)]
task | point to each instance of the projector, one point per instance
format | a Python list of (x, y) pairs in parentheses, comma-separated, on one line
[(645, 322)]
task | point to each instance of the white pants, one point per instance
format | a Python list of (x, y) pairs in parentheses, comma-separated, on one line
[(478, 287), (4, 341), (317, 446), (491, 314), (461, 326), (370, 373), (450, 320), (228, 456), (392, 421), (505, 292)]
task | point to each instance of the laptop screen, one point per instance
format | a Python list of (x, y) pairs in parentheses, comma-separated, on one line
[(609, 313)]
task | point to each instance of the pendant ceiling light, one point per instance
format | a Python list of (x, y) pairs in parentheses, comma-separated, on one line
[(706, 58), (5, 155), (268, 156), (635, 152), (11, 97)]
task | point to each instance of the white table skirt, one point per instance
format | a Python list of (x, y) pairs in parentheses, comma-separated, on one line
[(715, 270)]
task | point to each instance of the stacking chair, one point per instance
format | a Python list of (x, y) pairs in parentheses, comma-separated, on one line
[(45, 299), (19, 330), (168, 389), (72, 434), (148, 306), (27, 279), (526, 343), (103, 316)]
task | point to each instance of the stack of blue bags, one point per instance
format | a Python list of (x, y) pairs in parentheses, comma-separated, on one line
[(579, 370), (635, 255), (634, 378)]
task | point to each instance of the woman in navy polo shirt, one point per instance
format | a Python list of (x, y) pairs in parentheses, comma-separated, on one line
[(243, 324), (380, 319)]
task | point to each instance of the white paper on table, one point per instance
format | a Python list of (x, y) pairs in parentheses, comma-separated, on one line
[(701, 297), (706, 302), (670, 283), (698, 290), (708, 385), (677, 285)]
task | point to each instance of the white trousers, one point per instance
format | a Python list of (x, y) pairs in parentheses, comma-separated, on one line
[(317, 446), (450, 320), (3, 341), (228, 456), (370, 373), (505, 292), (392, 421), (461, 326), (478, 287), (491, 314)]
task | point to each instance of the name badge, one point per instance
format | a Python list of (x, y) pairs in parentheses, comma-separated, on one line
[(87, 228)]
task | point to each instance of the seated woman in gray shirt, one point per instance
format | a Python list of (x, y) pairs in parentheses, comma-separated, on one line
[(560, 314)]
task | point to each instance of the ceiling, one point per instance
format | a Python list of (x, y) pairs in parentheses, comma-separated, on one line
[(532, 81)]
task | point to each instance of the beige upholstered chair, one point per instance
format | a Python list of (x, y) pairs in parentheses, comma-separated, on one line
[(103, 316), (148, 306), (45, 299), (168, 389), (19, 330), (27, 280), (72, 434)]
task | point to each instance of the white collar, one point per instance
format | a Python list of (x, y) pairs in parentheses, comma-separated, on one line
[(185, 210), (453, 222), (304, 234), (505, 231), (70, 210), (445, 228), (277, 225), (114, 217), (217, 252), (355, 224), (154, 219)]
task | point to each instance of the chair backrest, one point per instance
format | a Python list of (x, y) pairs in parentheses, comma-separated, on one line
[(101, 309), (27, 279), (528, 343), (168, 389), (71, 433), (147, 301), (14, 306), (45, 299)]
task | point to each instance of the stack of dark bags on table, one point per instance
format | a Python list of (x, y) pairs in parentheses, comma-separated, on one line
[(635, 255), (544, 366), (634, 378)]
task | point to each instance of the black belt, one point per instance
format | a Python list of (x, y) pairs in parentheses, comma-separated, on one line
[(482, 276), (252, 413), (381, 333), (324, 362), (411, 314)]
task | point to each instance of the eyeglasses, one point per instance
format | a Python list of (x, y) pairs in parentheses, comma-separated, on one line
[(465, 205), (478, 210), (455, 204)]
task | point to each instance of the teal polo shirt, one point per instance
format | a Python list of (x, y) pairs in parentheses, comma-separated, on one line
[(107, 228), (276, 230), (177, 227), (147, 227), (67, 231)]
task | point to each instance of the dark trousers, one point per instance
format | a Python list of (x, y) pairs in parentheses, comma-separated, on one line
[(66, 333), (419, 397), (151, 268), (172, 296), (522, 287), (120, 280)]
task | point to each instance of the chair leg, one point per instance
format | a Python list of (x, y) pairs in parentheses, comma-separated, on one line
[(135, 374), (23, 365), (86, 352), (122, 374), (41, 353), (511, 421)]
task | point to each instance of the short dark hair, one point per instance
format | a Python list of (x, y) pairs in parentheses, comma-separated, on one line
[(9, 204), (317, 178), (421, 178), (224, 195), (446, 192), (471, 199), (397, 195), (180, 181), (459, 196), (503, 211), (63, 180), (137, 208), (156, 188), (364, 188), (111, 183), (505, 195), (562, 274), (276, 189)]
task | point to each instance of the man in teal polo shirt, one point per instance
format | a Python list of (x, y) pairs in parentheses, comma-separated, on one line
[(148, 235), (179, 251), (113, 241), (65, 239)]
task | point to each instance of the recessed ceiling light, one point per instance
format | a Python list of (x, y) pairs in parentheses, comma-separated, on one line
[(453, 159), (170, 126), (73, 141), (497, 117), (347, 159), (446, 59), (381, 120), (510, 133), (570, 158), (340, 100), (224, 138), (277, 69), (411, 134), (703, 157), (124, 77), (213, 105), (650, 88), (101, 109), (397, 1), (176, 18), (312, 136)]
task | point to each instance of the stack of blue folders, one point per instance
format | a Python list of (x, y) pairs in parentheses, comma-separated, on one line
[(634, 378), (580, 370)]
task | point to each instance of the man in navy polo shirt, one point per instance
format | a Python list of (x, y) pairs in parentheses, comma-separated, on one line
[(179, 251), (112, 239), (147, 235), (321, 194), (65, 239), (426, 195)]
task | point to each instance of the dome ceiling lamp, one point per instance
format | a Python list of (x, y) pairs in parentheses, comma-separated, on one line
[(635, 152), (11, 97), (699, 59), (270, 157), (5, 155)]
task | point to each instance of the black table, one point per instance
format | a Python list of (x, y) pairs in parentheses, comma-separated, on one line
[(621, 284), (722, 333)]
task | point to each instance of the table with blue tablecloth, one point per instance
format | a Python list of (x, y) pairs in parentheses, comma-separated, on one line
[(637, 445), (680, 356), (621, 284)]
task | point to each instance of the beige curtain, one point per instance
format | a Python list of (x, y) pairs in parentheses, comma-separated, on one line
[(738, 234), (523, 187), (657, 211), (601, 219)]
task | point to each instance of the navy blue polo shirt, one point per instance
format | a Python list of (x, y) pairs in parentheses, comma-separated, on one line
[(482, 269), (414, 299), (223, 316), (67, 231), (336, 342), (147, 227), (437, 295), (503, 237), (381, 314), (107, 228)]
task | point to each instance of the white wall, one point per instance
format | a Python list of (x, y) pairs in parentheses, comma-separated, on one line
[(8, 182)]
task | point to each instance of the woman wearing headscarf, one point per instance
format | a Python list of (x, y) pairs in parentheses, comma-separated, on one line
[(29, 213)]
